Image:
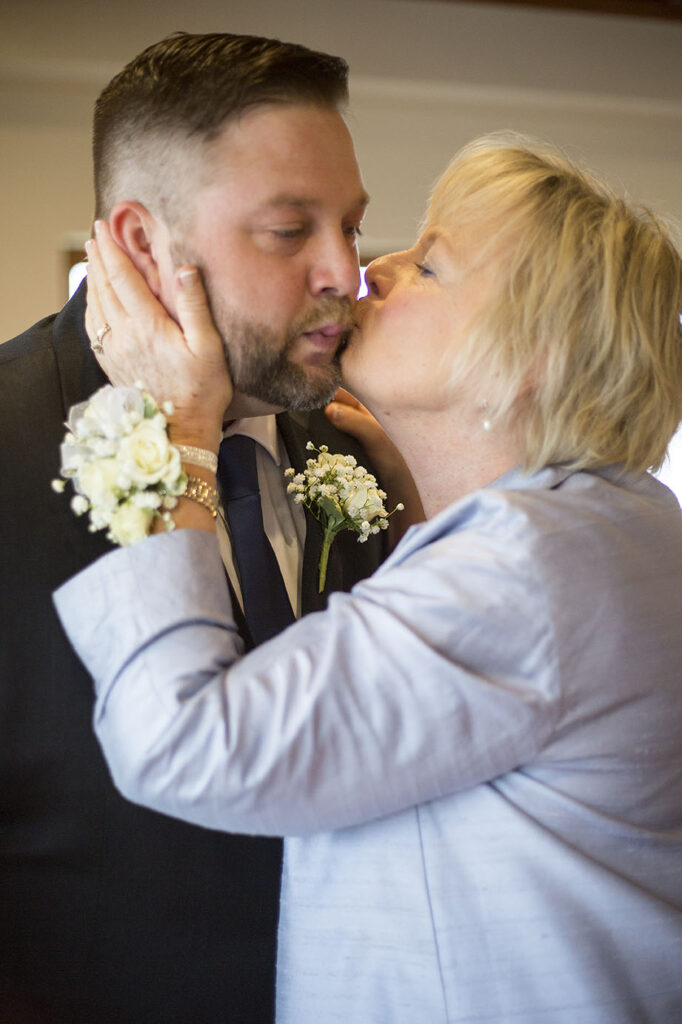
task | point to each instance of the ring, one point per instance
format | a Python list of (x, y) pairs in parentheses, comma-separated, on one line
[(101, 332), (97, 346)]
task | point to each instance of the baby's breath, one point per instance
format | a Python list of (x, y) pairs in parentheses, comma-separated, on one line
[(341, 495)]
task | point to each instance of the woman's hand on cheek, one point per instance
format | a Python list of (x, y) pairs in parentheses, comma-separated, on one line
[(179, 362)]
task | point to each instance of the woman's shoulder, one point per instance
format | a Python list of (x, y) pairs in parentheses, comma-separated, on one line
[(559, 532), (559, 503)]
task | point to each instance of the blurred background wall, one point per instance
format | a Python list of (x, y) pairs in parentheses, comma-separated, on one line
[(426, 76)]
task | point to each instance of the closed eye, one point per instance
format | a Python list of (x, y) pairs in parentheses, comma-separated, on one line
[(288, 232), (425, 270)]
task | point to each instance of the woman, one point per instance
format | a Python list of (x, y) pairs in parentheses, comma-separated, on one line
[(476, 753)]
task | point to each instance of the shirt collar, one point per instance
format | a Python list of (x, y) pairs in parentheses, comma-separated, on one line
[(263, 430)]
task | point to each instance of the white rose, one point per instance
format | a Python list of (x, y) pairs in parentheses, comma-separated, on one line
[(173, 479), (374, 504), (99, 481), (130, 523), (145, 454), (355, 502), (363, 503)]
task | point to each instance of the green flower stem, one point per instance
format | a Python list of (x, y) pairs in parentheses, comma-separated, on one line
[(324, 557)]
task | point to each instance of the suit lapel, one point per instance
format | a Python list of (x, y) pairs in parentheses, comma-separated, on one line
[(80, 374)]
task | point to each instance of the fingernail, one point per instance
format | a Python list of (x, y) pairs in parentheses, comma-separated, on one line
[(188, 277), (98, 227), (88, 246)]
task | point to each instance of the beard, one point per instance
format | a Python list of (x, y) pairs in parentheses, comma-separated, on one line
[(259, 362), (258, 358)]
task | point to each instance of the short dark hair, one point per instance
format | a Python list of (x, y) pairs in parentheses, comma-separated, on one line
[(189, 86)]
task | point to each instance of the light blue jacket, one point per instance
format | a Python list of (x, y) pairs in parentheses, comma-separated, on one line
[(477, 753)]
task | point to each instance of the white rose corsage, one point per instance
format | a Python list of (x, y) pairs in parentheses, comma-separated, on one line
[(342, 496), (123, 468)]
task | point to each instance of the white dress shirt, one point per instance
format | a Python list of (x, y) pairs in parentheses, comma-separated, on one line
[(283, 520), (476, 753)]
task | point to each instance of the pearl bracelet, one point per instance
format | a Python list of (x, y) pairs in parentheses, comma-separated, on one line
[(198, 456)]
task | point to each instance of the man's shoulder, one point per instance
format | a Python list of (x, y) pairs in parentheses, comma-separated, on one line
[(30, 380), (49, 366), (30, 342), (64, 329)]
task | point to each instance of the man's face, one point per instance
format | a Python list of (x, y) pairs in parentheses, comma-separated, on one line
[(274, 231)]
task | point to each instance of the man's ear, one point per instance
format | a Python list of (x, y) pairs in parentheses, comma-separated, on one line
[(135, 230)]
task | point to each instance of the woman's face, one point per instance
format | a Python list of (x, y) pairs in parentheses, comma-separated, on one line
[(414, 321)]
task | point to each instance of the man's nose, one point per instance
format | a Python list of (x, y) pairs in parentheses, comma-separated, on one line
[(336, 268)]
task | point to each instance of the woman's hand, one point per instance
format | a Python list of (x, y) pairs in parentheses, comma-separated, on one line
[(351, 416), (182, 363)]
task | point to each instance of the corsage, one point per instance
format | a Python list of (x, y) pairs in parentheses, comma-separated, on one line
[(123, 468)]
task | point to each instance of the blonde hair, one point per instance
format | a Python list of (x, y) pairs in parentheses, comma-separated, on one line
[(582, 344)]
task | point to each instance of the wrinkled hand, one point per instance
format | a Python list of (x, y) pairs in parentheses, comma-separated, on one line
[(351, 416), (183, 363)]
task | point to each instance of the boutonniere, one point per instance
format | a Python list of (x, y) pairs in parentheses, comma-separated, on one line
[(342, 496), (123, 468)]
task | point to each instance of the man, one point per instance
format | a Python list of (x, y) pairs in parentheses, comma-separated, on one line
[(228, 152)]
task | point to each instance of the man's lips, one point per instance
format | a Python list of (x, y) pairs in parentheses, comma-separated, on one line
[(328, 330), (327, 336)]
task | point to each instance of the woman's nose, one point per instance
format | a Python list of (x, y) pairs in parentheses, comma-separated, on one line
[(380, 274)]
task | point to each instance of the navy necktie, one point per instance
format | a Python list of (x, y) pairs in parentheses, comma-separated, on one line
[(267, 609)]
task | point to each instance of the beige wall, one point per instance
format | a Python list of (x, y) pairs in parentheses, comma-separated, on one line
[(426, 77)]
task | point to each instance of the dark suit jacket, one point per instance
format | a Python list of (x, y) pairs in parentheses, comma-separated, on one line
[(108, 912)]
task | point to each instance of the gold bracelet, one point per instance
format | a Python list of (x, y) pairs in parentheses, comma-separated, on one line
[(201, 492)]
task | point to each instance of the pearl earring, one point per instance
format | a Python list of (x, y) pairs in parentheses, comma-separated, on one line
[(487, 425)]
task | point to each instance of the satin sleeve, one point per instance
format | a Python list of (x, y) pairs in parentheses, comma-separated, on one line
[(434, 675)]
